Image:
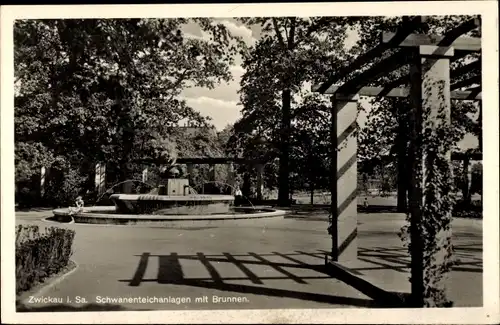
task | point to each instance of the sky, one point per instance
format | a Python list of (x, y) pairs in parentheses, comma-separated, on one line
[(221, 103)]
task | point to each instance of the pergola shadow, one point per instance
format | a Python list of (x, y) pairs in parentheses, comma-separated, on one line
[(171, 272), (398, 259)]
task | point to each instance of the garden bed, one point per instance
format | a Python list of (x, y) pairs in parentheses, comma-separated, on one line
[(41, 255), (21, 297)]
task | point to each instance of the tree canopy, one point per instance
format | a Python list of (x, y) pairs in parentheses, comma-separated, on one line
[(109, 90), (294, 53), (290, 54)]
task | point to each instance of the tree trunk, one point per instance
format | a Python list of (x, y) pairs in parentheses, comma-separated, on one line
[(246, 188), (283, 180), (312, 179), (466, 193), (402, 186), (403, 178)]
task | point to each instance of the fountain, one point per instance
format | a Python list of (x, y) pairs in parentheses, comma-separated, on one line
[(173, 197), (172, 201)]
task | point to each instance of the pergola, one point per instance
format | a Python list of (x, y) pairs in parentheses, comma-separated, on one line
[(431, 87)]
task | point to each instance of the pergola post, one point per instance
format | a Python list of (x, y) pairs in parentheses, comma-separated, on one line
[(100, 178), (343, 177), (43, 178), (430, 100)]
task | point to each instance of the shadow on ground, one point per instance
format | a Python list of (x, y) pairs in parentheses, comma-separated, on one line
[(398, 258), (33, 209), (377, 209), (171, 272), (314, 210)]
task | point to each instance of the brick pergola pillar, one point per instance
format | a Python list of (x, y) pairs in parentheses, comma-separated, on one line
[(343, 177), (431, 106)]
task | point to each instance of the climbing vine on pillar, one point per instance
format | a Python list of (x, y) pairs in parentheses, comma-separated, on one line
[(434, 176)]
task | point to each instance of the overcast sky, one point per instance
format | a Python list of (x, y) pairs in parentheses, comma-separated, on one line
[(221, 103)]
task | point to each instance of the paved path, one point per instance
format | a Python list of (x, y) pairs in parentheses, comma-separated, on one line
[(382, 257), (265, 263)]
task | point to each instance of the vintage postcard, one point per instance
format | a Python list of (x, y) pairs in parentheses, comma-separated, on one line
[(250, 163)]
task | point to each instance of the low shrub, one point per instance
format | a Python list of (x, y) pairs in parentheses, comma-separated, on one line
[(40, 254), (64, 186), (472, 209), (27, 197)]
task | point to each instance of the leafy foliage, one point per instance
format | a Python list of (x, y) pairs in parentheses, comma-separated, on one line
[(91, 90), (378, 138), (40, 254), (293, 52)]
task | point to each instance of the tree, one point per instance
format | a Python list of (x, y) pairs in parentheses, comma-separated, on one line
[(109, 90), (476, 185), (292, 51)]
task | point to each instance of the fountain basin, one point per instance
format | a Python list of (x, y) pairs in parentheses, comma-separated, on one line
[(109, 215), (152, 204)]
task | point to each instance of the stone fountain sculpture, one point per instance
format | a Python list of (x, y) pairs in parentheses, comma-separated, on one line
[(172, 196)]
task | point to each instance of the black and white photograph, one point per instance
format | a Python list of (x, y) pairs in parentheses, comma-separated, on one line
[(251, 163)]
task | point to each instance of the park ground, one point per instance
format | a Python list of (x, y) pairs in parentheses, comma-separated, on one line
[(263, 263)]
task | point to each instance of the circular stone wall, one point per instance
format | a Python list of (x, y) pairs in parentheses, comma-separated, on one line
[(108, 215), (171, 204)]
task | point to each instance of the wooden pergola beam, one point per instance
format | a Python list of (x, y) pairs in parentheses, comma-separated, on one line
[(469, 94), (394, 84), (206, 160), (467, 82), (388, 90), (451, 38), (386, 65), (472, 94), (476, 65), (375, 52), (452, 35), (461, 44)]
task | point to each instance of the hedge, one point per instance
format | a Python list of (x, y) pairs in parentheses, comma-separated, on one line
[(40, 254)]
